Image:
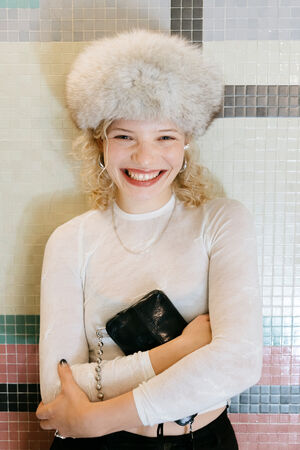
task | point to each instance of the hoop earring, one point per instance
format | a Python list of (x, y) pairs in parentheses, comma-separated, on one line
[(183, 167), (101, 162), (184, 164)]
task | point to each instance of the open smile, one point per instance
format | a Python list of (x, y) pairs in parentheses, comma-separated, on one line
[(141, 177)]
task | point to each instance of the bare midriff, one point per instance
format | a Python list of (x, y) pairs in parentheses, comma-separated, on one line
[(173, 429)]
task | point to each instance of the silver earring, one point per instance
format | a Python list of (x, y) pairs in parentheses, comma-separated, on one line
[(184, 164), (100, 161)]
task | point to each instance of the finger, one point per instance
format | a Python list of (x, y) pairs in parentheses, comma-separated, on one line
[(42, 412), (47, 425), (65, 373)]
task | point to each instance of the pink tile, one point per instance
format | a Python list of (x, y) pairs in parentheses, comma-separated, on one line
[(4, 445), (3, 435)]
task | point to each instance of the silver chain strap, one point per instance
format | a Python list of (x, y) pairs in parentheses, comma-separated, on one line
[(99, 335)]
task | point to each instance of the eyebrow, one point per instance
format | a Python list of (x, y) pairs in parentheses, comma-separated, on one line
[(130, 131)]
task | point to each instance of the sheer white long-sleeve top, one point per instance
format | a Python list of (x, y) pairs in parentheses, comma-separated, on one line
[(205, 261)]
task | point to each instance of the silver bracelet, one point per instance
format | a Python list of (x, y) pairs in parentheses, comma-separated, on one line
[(99, 335)]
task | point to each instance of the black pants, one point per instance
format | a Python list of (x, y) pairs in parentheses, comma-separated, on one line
[(217, 435)]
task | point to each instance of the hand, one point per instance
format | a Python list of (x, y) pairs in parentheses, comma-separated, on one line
[(197, 333), (69, 412)]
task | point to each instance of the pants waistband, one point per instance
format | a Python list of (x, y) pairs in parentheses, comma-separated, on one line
[(182, 438)]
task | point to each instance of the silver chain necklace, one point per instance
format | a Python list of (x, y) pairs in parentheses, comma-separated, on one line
[(145, 249)]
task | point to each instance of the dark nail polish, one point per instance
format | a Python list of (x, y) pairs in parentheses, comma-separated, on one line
[(63, 361)]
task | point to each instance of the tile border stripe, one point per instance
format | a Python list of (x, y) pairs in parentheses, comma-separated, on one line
[(187, 19), (261, 101), (24, 329), (25, 397)]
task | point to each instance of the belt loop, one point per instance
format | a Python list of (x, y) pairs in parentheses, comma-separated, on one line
[(160, 434), (192, 435)]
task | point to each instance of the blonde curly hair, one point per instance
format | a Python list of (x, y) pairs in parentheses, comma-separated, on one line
[(194, 186)]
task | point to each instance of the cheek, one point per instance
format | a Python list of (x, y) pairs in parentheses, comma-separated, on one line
[(114, 157), (176, 158)]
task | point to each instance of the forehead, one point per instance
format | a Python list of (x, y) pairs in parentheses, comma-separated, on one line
[(144, 125)]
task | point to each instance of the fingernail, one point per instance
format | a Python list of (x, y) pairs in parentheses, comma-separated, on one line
[(62, 362)]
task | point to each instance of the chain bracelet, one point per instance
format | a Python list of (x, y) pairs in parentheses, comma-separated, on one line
[(99, 335)]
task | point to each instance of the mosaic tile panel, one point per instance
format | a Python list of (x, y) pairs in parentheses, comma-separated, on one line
[(258, 399), (24, 329), (79, 20), (19, 329), (282, 331), (19, 4), (21, 431), (187, 18), (261, 101), (19, 397), (264, 432), (251, 20), (19, 363)]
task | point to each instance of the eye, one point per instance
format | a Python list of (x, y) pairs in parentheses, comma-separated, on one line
[(122, 136), (166, 138)]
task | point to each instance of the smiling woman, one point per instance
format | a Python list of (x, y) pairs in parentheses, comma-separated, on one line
[(192, 185), (143, 163), (141, 99)]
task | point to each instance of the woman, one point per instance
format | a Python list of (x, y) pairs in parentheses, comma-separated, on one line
[(141, 99)]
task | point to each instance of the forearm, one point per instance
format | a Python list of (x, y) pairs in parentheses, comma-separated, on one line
[(112, 415), (195, 335), (165, 355)]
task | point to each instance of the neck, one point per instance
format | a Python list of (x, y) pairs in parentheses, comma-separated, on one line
[(143, 205)]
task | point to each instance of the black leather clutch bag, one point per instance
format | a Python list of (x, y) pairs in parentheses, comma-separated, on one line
[(150, 322)]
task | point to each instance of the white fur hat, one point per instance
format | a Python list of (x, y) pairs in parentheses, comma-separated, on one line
[(144, 75)]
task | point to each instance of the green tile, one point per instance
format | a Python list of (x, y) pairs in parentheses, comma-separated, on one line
[(2, 339), (31, 340), (20, 339), (2, 319), (12, 3), (30, 319), (267, 331), (10, 329), (3, 4), (30, 329), (276, 340), (34, 3), (276, 331), (10, 319), (23, 3), (2, 329), (10, 339), (276, 321), (20, 320), (20, 329)]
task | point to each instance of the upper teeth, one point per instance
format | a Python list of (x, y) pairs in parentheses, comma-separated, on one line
[(142, 176)]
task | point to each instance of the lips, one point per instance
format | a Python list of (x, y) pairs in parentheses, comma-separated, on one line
[(140, 177)]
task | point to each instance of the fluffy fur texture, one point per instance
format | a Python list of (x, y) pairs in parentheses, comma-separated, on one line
[(144, 75)]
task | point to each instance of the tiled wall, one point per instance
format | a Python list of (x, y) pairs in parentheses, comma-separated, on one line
[(252, 149)]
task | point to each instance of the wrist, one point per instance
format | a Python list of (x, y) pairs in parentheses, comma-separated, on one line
[(93, 420), (185, 345), (110, 416)]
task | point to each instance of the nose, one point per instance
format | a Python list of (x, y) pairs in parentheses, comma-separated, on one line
[(143, 154)]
